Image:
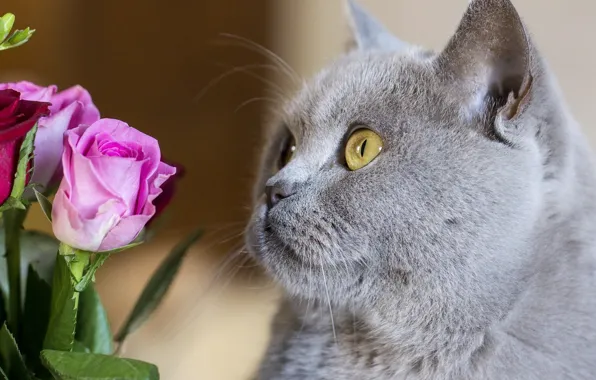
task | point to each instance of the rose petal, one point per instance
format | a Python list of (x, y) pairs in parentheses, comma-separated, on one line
[(77, 94), (48, 144), (125, 232), (31, 91), (87, 189), (83, 233), (9, 161), (124, 176)]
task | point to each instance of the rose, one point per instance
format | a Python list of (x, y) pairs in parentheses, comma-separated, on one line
[(112, 175), (69, 109), (17, 118), (169, 189)]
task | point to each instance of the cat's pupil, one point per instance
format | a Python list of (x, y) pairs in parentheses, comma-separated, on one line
[(362, 147)]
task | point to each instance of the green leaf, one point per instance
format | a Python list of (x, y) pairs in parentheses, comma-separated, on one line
[(35, 317), (89, 275), (20, 181), (12, 202), (46, 205), (80, 347), (37, 249), (18, 38), (81, 366), (6, 23), (25, 155), (157, 287), (93, 328), (12, 361), (63, 313), (3, 375), (2, 308), (99, 259)]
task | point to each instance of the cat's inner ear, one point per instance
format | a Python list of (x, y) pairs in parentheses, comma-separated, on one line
[(368, 33), (488, 58)]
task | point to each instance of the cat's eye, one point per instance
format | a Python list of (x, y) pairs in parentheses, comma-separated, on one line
[(362, 147), (287, 152)]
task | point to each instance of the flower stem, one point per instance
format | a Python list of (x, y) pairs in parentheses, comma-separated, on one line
[(70, 268), (78, 265), (77, 268), (13, 223), (78, 262)]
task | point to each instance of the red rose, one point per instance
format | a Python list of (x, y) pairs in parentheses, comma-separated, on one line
[(17, 118)]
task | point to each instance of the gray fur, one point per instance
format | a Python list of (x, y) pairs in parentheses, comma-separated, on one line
[(466, 250)]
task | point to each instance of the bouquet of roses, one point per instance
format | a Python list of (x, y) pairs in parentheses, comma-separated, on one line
[(108, 184)]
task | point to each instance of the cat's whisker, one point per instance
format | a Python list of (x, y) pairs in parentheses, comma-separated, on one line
[(268, 285), (267, 53), (256, 99), (227, 262), (239, 69), (213, 231), (328, 300), (309, 297), (248, 70)]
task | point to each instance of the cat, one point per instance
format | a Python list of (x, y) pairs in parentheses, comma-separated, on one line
[(459, 243)]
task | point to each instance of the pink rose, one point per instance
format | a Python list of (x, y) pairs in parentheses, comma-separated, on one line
[(169, 189), (112, 174), (69, 109)]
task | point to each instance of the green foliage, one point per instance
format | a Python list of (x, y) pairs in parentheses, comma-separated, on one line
[(85, 366), (93, 328), (44, 203), (12, 360), (6, 23), (20, 181), (63, 312), (35, 317), (17, 38), (157, 287)]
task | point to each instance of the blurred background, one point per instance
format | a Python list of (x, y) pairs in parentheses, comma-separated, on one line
[(190, 74)]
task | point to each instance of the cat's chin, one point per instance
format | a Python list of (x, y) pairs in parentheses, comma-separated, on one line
[(275, 256), (299, 275), (262, 241)]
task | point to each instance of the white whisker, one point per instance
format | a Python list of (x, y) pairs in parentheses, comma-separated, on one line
[(258, 48), (253, 100), (328, 300)]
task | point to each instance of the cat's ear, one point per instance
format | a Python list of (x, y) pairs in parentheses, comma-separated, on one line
[(489, 57), (368, 33)]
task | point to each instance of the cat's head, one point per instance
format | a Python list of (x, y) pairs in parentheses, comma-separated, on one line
[(399, 172)]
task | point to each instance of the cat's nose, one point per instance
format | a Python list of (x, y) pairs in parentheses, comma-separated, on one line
[(277, 192)]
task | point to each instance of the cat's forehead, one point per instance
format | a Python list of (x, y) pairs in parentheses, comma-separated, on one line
[(368, 88)]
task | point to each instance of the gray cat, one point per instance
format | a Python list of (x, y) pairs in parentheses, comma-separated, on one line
[(430, 215)]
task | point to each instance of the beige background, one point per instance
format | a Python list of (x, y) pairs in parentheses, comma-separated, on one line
[(220, 333)]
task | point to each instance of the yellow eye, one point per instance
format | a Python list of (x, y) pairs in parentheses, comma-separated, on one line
[(287, 152), (362, 147)]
